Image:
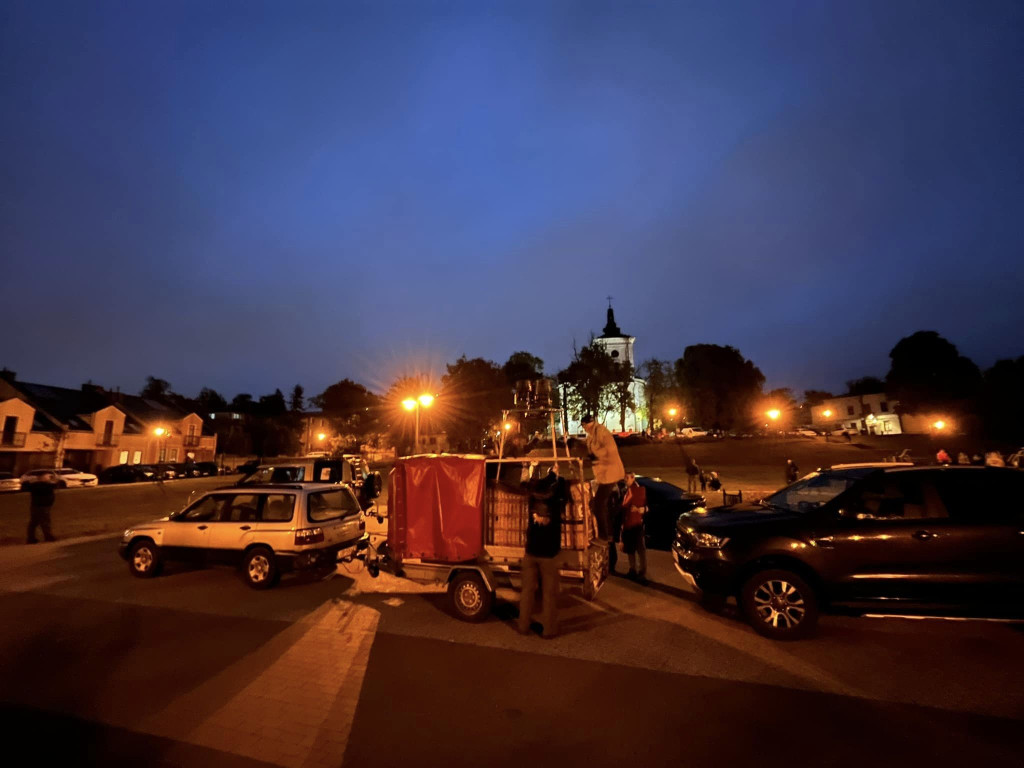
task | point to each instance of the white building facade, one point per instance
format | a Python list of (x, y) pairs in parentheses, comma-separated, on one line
[(620, 347)]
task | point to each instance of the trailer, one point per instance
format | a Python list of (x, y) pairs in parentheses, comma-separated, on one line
[(460, 521)]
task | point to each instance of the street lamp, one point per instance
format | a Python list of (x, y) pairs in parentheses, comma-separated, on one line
[(321, 436), (672, 412), (161, 432), (939, 425), (827, 413), (774, 414), (415, 404)]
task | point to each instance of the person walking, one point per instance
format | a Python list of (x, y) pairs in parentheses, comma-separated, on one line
[(634, 506), (703, 481), (548, 497), (608, 471), (42, 498), (792, 472), (692, 471)]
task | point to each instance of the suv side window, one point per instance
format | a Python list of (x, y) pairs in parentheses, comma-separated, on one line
[(277, 508), (242, 509), (204, 509), (981, 495), (897, 496)]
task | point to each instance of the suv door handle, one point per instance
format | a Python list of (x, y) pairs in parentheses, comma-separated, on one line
[(245, 527), (925, 535), (202, 528)]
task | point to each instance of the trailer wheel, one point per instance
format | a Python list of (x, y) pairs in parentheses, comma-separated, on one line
[(471, 599)]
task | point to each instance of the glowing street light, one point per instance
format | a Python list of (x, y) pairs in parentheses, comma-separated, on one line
[(414, 404), (672, 412), (321, 436), (939, 425), (828, 413), (774, 414), (159, 431), (508, 425)]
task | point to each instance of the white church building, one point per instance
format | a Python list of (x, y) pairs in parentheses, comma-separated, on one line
[(620, 346)]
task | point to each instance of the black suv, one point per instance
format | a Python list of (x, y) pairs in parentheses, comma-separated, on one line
[(885, 539)]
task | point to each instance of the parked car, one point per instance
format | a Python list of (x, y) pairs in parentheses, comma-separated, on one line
[(166, 471), (9, 482), (148, 470), (692, 432), (248, 467), (208, 468), (806, 432), (185, 469), (665, 503), (66, 477), (265, 529), (868, 538), (122, 473), (350, 470)]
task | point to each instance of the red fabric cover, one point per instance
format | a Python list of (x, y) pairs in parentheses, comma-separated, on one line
[(435, 508)]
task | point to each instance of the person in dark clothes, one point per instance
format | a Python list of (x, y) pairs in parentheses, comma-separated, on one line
[(792, 472), (634, 505), (692, 471), (714, 481), (42, 497), (548, 496), (703, 481)]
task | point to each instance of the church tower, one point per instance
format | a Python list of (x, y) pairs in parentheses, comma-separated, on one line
[(614, 341)]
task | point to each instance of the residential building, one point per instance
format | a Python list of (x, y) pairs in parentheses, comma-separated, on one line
[(872, 414), (91, 428)]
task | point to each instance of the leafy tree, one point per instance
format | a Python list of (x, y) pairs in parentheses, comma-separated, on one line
[(242, 403), (297, 401), (473, 394), (813, 397), (586, 378), (1002, 404), (522, 365), (621, 391), (210, 401), (928, 372), (866, 385), (661, 387), (272, 405), (155, 388), (354, 406), (721, 387)]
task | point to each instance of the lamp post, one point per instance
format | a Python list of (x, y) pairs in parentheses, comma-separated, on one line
[(415, 404), (161, 433)]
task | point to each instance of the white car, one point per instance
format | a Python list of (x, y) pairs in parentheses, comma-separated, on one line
[(265, 529), (693, 432), (806, 432), (9, 482), (65, 477)]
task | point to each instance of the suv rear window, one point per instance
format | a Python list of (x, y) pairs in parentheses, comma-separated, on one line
[(267, 475), (330, 505), (983, 494)]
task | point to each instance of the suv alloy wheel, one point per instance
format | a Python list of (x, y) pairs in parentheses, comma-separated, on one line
[(260, 568), (144, 559), (779, 604)]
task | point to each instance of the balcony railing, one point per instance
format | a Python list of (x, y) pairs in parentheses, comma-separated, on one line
[(13, 439), (190, 441), (107, 441)]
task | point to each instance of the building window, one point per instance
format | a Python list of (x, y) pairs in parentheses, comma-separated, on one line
[(883, 406), (137, 457), (163, 454), (191, 430), (174, 454), (123, 459), (849, 410)]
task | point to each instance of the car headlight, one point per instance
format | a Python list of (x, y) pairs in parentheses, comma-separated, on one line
[(708, 541)]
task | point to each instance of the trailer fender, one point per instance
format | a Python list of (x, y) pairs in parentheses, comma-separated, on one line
[(483, 570)]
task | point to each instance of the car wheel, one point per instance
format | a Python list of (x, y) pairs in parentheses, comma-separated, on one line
[(471, 599), (260, 568), (144, 559), (779, 604)]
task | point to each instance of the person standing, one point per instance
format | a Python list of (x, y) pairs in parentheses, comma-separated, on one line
[(42, 498), (634, 505), (608, 471), (963, 458), (548, 497), (703, 481), (942, 457), (692, 470), (792, 472)]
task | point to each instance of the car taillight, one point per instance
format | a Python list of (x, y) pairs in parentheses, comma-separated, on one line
[(308, 536)]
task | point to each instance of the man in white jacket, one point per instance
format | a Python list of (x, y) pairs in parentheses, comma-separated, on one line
[(608, 471)]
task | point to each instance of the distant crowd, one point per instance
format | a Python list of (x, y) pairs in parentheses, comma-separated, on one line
[(990, 459)]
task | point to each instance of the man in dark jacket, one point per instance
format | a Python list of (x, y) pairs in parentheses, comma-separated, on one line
[(41, 492), (548, 496)]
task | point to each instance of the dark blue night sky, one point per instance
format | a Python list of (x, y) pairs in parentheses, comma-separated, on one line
[(246, 195)]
